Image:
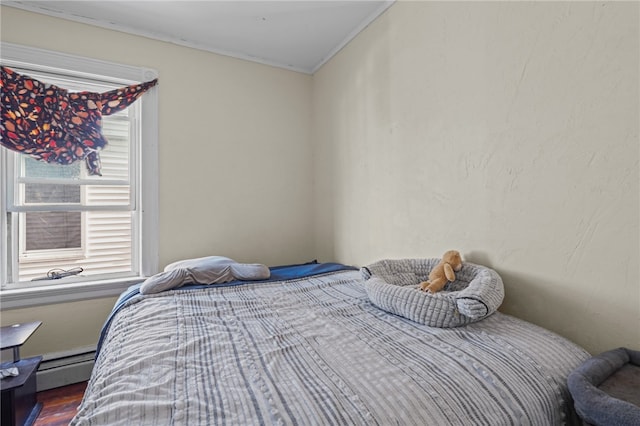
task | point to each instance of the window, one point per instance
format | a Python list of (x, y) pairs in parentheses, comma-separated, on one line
[(59, 217)]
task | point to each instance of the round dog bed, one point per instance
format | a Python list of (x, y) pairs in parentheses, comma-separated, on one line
[(392, 285), (606, 388)]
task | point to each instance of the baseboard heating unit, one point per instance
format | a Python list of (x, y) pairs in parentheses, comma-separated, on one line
[(65, 368)]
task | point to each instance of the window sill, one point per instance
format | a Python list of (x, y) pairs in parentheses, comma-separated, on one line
[(61, 293)]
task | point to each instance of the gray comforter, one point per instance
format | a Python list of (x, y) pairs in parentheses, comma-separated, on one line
[(315, 351)]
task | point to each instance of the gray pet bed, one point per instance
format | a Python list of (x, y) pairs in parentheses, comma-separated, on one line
[(606, 388), (392, 285)]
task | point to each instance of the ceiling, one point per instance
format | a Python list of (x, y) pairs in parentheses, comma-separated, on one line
[(297, 35)]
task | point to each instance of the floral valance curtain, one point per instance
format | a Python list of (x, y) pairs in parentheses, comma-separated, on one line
[(53, 125)]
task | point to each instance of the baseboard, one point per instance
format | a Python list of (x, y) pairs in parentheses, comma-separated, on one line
[(65, 368)]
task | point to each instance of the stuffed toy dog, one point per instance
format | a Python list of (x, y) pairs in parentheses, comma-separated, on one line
[(443, 273)]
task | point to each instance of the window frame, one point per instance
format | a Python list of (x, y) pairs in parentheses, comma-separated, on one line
[(146, 183)]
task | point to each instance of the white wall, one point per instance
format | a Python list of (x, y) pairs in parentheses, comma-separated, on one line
[(506, 130), (234, 152)]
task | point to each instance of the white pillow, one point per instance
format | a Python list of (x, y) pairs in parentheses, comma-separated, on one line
[(203, 270)]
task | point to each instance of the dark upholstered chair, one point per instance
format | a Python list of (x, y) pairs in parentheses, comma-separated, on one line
[(606, 388)]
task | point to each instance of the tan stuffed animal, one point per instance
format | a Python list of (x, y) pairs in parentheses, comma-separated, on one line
[(443, 272)]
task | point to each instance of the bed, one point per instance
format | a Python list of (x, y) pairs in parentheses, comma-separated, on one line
[(307, 347)]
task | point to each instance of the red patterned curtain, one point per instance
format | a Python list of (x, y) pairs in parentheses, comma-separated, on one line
[(53, 125)]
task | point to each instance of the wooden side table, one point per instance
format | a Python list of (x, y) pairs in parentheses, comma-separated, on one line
[(19, 403)]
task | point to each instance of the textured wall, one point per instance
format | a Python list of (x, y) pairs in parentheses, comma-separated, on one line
[(507, 130)]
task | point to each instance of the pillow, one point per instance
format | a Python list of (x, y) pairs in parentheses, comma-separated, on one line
[(392, 285), (203, 270)]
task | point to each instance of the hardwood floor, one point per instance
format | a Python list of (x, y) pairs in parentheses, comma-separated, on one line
[(59, 405)]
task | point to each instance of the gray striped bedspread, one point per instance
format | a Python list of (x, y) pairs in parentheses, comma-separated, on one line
[(315, 351)]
